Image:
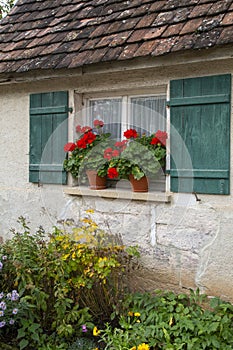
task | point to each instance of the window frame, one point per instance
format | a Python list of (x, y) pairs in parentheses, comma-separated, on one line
[(80, 100)]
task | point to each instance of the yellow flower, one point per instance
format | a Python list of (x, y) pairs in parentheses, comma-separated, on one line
[(138, 321), (66, 256), (96, 332), (133, 348), (91, 211), (86, 221), (130, 313), (143, 346), (65, 246), (137, 314)]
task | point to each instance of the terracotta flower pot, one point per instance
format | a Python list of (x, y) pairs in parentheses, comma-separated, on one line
[(139, 185), (96, 182)]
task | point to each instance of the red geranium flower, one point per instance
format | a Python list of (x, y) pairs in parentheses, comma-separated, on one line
[(89, 137), (81, 143), (78, 128), (69, 147), (98, 123), (115, 153), (121, 145), (155, 141), (130, 133), (108, 153), (86, 129), (112, 173), (162, 136)]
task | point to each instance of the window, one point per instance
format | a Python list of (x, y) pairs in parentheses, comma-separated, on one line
[(199, 130), (200, 134), (145, 113), (48, 134)]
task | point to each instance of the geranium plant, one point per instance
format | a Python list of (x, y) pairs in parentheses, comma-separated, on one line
[(87, 151), (137, 155)]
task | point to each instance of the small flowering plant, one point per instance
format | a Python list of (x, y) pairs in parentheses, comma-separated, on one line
[(137, 155), (9, 307), (87, 151)]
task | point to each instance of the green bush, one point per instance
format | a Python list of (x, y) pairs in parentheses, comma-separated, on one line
[(66, 281), (172, 322)]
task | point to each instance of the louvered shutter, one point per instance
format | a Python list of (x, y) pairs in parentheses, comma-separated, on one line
[(48, 134), (200, 134)]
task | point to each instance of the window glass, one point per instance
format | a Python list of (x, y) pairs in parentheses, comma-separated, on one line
[(147, 114), (110, 111)]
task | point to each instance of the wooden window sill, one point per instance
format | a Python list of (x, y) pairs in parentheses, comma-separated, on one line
[(119, 193)]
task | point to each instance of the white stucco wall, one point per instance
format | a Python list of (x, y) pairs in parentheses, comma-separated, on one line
[(185, 243)]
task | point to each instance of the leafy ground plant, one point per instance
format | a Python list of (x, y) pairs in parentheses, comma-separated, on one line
[(66, 280), (168, 321)]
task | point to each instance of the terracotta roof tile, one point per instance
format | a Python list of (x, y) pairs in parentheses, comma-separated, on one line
[(173, 29), (147, 47), (191, 26), (226, 36), (45, 34), (146, 21), (184, 43), (128, 50), (200, 10), (163, 18), (219, 6), (137, 35), (154, 32), (165, 46), (112, 54), (228, 19)]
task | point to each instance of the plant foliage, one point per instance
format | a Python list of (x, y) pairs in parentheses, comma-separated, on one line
[(65, 283)]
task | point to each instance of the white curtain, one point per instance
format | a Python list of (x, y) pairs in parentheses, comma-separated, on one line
[(148, 114)]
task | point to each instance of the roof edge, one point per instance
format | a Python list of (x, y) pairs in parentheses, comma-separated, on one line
[(171, 59)]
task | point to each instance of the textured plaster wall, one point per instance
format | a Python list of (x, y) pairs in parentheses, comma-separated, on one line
[(184, 244)]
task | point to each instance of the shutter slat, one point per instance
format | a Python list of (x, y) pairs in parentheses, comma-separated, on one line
[(49, 110), (189, 101), (200, 173)]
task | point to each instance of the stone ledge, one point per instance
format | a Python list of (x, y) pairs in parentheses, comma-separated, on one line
[(152, 196)]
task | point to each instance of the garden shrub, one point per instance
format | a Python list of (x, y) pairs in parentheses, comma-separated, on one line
[(168, 321), (66, 280)]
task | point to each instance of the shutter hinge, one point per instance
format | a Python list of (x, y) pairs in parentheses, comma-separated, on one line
[(69, 109), (168, 104), (221, 186)]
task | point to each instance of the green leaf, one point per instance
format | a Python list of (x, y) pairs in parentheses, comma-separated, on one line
[(23, 343)]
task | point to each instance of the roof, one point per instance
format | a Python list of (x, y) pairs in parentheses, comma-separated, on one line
[(45, 34)]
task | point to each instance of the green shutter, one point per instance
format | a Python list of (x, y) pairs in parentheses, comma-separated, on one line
[(48, 134), (200, 134)]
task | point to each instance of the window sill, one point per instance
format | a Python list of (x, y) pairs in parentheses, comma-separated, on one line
[(113, 193)]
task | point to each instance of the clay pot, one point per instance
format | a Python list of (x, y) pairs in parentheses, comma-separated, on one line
[(139, 185), (96, 182)]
